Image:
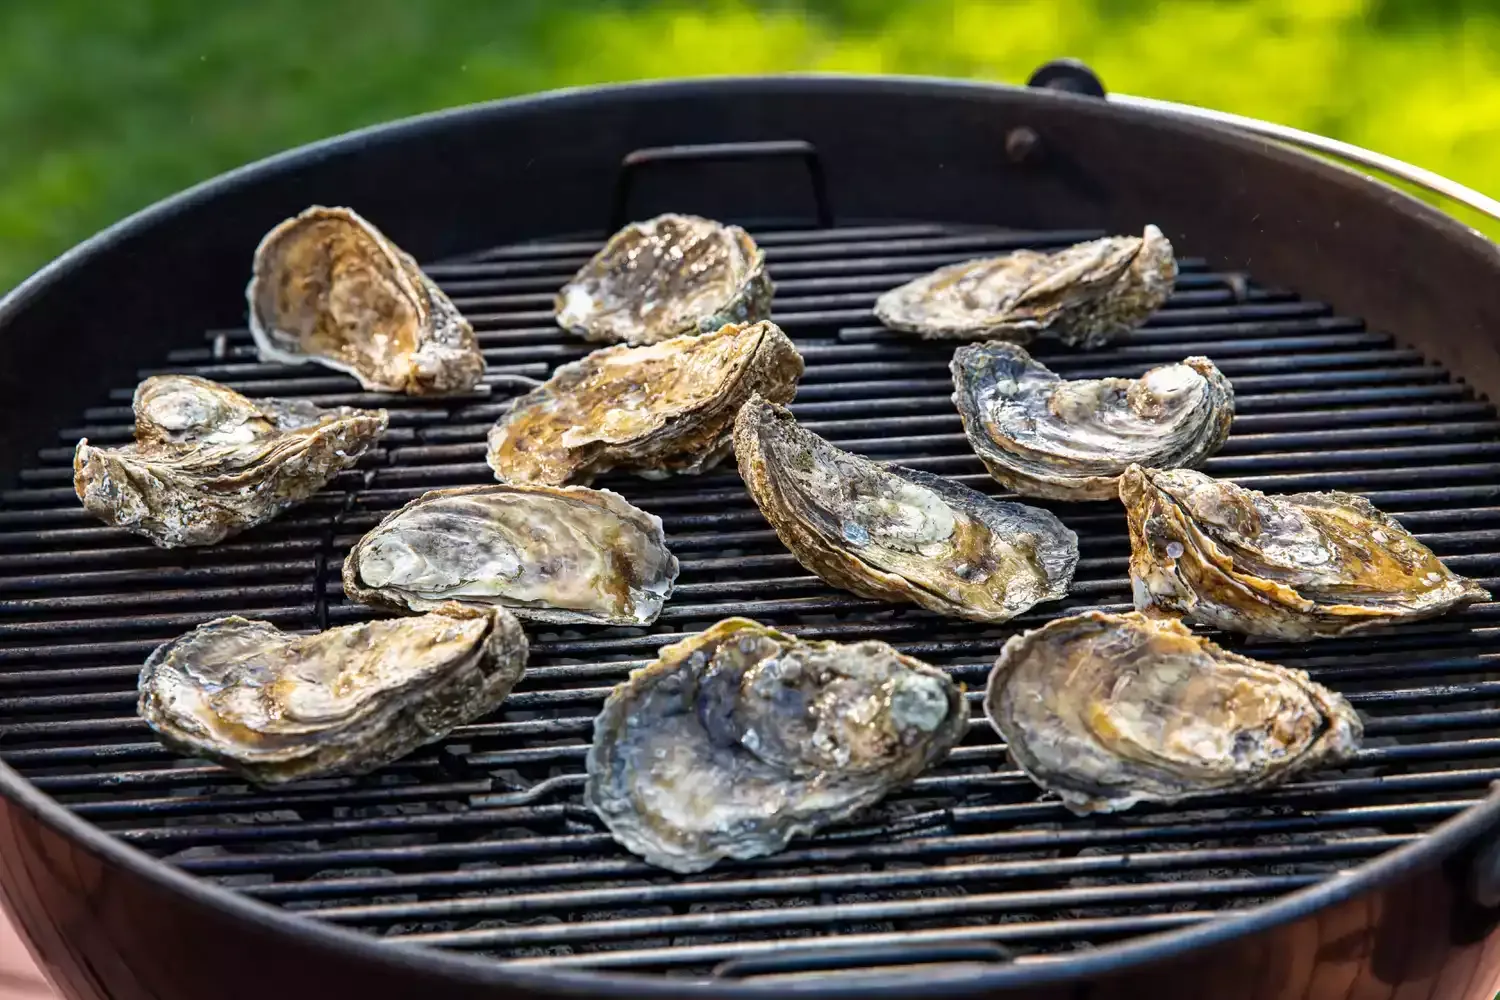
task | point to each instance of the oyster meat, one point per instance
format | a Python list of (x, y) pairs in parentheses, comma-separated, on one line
[(663, 408), (1292, 567), (666, 277), (278, 707), (734, 741), (897, 534), (329, 287), (1044, 436), (1085, 295), (207, 462), (1111, 710), (550, 554)]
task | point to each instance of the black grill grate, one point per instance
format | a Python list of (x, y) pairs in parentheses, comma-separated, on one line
[(481, 843)]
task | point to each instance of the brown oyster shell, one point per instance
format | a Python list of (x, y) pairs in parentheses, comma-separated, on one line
[(545, 553), (1085, 295), (1292, 567), (733, 741), (1111, 710), (329, 288), (664, 408), (897, 534), (208, 462), (670, 276), (1044, 436), (278, 707)]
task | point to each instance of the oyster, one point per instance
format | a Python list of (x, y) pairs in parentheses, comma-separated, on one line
[(666, 277), (207, 462), (1111, 710), (667, 407), (734, 741), (897, 534), (550, 554), (1085, 295), (277, 706), (1043, 436), (329, 287), (1293, 567)]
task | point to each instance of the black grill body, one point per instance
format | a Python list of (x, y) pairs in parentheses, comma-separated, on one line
[(141, 876)]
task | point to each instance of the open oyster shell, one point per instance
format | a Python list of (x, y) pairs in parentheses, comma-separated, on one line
[(550, 554), (1085, 295), (1111, 710), (1044, 436), (207, 462), (666, 277), (736, 740), (897, 534), (664, 408), (329, 287), (278, 707), (1293, 567)]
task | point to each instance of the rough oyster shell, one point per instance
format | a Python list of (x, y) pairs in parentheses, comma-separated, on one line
[(736, 740), (1294, 567), (667, 407), (1044, 436), (278, 707), (329, 287), (1111, 710), (547, 553), (666, 277), (897, 534), (207, 462), (1085, 295)]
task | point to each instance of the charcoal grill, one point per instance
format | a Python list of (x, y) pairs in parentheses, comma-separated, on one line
[(1361, 329)]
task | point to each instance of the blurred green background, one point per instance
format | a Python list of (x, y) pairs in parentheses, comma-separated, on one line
[(107, 106)]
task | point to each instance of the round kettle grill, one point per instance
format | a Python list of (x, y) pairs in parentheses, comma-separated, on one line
[(1361, 328)]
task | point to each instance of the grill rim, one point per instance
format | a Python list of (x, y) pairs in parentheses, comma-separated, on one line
[(1442, 844)]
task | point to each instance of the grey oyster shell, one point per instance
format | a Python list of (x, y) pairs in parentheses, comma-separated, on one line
[(736, 740), (664, 408), (1085, 295), (208, 462), (1290, 567), (666, 277), (1111, 710), (1044, 436), (328, 287), (279, 707), (546, 553), (897, 534)]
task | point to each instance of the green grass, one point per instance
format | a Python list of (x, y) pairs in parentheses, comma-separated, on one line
[(105, 107)]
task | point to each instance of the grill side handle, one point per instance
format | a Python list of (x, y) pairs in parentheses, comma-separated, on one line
[(720, 152), (921, 960)]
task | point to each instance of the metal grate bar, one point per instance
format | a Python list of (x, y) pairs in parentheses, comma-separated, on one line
[(796, 885), (1032, 932), (549, 874), (945, 907), (467, 843), (1311, 825)]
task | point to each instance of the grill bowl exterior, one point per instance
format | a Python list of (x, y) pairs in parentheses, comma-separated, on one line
[(110, 920)]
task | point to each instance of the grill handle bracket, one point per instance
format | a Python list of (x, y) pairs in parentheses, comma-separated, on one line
[(720, 152), (1072, 76)]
